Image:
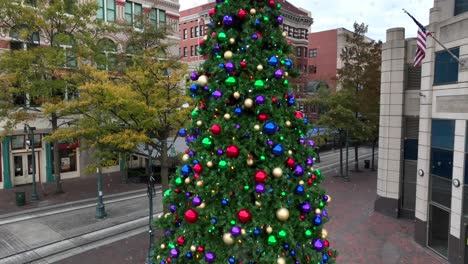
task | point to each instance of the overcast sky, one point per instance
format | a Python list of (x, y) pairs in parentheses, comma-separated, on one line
[(379, 15)]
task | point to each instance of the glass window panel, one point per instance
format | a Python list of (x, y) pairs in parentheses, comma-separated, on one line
[(154, 16), (411, 149), (128, 13), (461, 6), (162, 16), (100, 11), (18, 165), (37, 141), (442, 163), (446, 67), (67, 160), (110, 10), (441, 191), (443, 132), (17, 142), (438, 229)]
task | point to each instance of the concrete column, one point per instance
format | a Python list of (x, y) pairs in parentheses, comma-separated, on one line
[(391, 123)]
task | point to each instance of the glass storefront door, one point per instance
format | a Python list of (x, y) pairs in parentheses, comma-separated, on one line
[(22, 168)]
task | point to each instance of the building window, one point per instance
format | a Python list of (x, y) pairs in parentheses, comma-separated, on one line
[(305, 52), (191, 51), (162, 17), (67, 155), (201, 33), (191, 32), (133, 13), (17, 142), (66, 43), (196, 50), (106, 10), (299, 51), (185, 33), (185, 51), (109, 59), (16, 43), (196, 31), (446, 67), (313, 53), (461, 6)]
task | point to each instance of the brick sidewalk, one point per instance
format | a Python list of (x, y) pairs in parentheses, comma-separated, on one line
[(74, 190)]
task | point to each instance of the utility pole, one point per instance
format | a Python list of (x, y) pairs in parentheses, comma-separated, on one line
[(100, 209), (346, 177), (30, 131)]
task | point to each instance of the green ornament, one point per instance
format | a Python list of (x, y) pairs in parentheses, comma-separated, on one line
[(308, 233), (167, 193), (283, 194), (206, 142), (283, 61), (222, 164), (278, 6), (321, 204), (281, 138), (170, 245), (280, 52), (282, 234), (232, 222), (259, 84), (266, 19), (246, 187), (231, 81), (195, 112), (178, 181), (285, 82), (262, 158), (218, 56), (318, 172), (272, 240), (222, 36)]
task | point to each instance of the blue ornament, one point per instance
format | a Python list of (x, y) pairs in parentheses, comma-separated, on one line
[(186, 170), (224, 202), (183, 132), (232, 260), (193, 88), (278, 150), (214, 220), (195, 162), (299, 189), (292, 253), (305, 120), (221, 65), (286, 246), (188, 255), (269, 128), (256, 232), (291, 101), (238, 111), (317, 220), (273, 61), (257, 22), (324, 258), (288, 63)]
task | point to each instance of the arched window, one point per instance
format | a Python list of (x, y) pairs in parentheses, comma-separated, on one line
[(131, 52), (65, 42), (109, 59)]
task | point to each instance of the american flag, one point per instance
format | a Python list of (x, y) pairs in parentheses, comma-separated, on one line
[(421, 42)]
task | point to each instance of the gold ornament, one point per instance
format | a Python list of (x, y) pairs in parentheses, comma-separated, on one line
[(193, 248), (258, 204), (282, 214), (228, 55), (243, 232), (288, 123), (301, 182), (250, 162), (227, 116), (203, 80), (232, 40), (290, 152), (199, 123), (329, 199), (281, 260), (236, 95), (167, 215), (318, 211), (324, 233), (187, 181), (163, 246), (284, 34), (185, 157), (277, 172), (199, 183), (202, 206), (205, 37), (286, 74), (259, 67), (269, 229), (248, 103), (209, 164), (253, 11), (158, 257), (257, 127), (227, 238)]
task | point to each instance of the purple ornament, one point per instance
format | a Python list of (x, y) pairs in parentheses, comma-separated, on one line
[(217, 48), (188, 194), (301, 140), (191, 153), (206, 88), (270, 142), (219, 1), (196, 201), (210, 257), (298, 170), (167, 232), (235, 231), (318, 245), (217, 94), (311, 143), (174, 253), (238, 126), (229, 66), (310, 162), (325, 213), (220, 152), (325, 198), (279, 19), (227, 20), (172, 208), (306, 208), (260, 99), (278, 74), (193, 76), (254, 36), (260, 188)]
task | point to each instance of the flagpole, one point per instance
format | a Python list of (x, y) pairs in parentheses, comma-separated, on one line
[(442, 45)]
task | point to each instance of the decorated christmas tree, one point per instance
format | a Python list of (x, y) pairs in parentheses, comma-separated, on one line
[(248, 191)]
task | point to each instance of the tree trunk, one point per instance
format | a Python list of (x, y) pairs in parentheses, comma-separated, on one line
[(356, 157), (58, 179), (341, 153), (164, 171)]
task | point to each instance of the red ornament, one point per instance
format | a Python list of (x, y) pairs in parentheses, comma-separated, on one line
[(310, 181), (243, 64), (290, 162), (201, 249), (197, 168), (202, 41), (326, 243), (241, 14), (180, 240), (299, 114), (212, 12), (274, 100), (271, 3), (262, 117), (244, 216), (261, 176), (232, 151), (213, 34), (187, 151), (191, 216), (302, 217), (216, 129)]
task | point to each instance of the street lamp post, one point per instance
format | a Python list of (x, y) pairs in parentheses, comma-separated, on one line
[(151, 191), (30, 131), (346, 177), (100, 209)]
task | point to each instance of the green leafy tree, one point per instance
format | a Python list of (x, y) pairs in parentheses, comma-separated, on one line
[(360, 74), (247, 191), (47, 37)]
